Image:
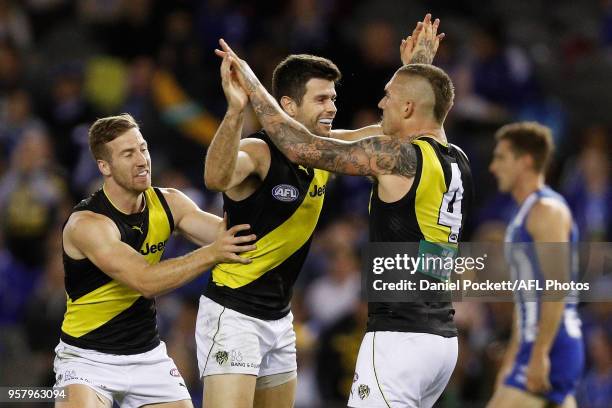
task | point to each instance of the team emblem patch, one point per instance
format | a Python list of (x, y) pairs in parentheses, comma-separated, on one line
[(363, 391), (175, 372), (285, 192), (221, 357)]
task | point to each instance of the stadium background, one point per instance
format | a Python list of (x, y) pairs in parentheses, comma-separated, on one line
[(65, 63)]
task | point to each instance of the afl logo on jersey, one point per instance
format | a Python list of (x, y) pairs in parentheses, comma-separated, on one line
[(285, 192)]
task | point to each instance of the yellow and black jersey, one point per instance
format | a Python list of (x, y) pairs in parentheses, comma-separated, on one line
[(434, 210), (103, 314), (283, 213)]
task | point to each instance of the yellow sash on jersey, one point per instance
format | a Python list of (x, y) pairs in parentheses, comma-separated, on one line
[(99, 306), (429, 195), (279, 244)]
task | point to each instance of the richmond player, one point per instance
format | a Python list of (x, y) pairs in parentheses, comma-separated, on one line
[(422, 191), (246, 342), (113, 241)]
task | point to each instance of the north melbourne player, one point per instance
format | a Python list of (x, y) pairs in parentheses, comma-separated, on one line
[(545, 358)]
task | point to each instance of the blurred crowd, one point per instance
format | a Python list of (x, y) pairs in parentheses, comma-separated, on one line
[(65, 63)]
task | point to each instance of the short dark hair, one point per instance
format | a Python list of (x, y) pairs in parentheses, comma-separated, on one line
[(529, 138), (442, 85), (290, 76), (106, 130)]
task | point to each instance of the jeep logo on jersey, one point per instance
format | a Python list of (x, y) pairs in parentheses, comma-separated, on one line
[(153, 248), (363, 391), (285, 192), (318, 190)]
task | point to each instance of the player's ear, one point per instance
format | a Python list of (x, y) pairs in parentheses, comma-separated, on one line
[(104, 167), (289, 106), (408, 109)]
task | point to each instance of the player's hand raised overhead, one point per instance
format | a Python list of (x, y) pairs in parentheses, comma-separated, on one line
[(243, 73), (234, 93), (421, 46)]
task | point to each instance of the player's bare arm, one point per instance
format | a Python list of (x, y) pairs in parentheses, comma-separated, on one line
[(351, 135), (373, 156), (548, 222), (96, 237), (230, 161)]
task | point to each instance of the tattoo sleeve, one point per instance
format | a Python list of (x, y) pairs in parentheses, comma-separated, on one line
[(371, 156)]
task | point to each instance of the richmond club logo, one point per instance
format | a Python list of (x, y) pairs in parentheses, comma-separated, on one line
[(363, 391), (285, 192), (221, 357)]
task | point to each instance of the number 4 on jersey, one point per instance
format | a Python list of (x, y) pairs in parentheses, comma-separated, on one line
[(450, 209)]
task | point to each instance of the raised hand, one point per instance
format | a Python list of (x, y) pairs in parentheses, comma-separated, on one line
[(243, 73), (421, 46), (228, 245), (235, 95)]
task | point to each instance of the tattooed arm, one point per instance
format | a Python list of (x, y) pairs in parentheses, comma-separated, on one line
[(372, 156)]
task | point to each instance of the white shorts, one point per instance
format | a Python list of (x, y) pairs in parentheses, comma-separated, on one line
[(131, 380), (230, 342), (402, 370)]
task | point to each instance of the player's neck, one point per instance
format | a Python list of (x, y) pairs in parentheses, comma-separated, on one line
[(526, 186), (437, 134), (125, 201), (431, 130)]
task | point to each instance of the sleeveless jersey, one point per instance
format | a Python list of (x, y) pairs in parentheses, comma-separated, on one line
[(103, 314), (434, 210), (283, 213), (524, 265), (567, 351)]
